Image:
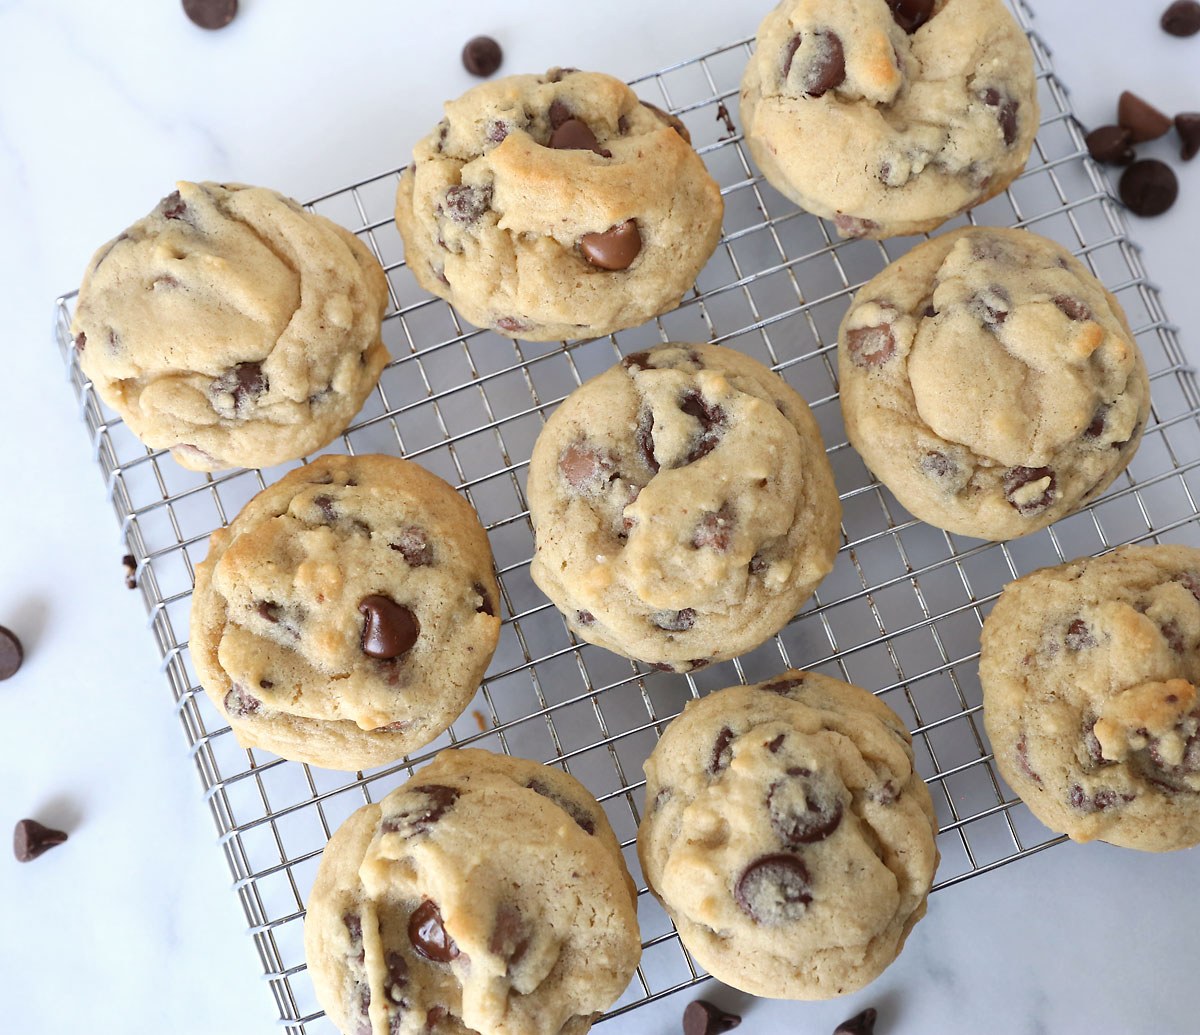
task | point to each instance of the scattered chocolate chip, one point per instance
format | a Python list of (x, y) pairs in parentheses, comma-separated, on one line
[(645, 439), (11, 653), (715, 529), (210, 14), (1187, 125), (1112, 145), (704, 1018), (31, 839), (1018, 477), (577, 135), (1144, 121), (485, 606), (129, 563), (860, 1024), (1079, 636), (1006, 112), (910, 15), (428, 934), (774, 889), (390, 628), (723, 116), (173, 206), (675, 621), (413, 545), (722, 752), (1072, 308), (418, 818), (466, 204), (828, 68), (240, 704), (1182, 18), (819, 818), (582, 817), (871, 346), (1149, 187), (482, 56), (615, 248)]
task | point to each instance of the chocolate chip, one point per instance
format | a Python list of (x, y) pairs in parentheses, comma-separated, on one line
[(757, 564), (428, 934), (860, 1024), (722, 753), (414, 546), (557, 75), (31, 839), (723, 116), (1182, 18), (783, 687), (711, 418), (466, 204), (1173, 635), (1144, 121), (482, 56), (558, 113), (510, 937), (1187, 125), (210, 14), (789, 53), (675, 621), (854, 226), (1072, 308), (828, 68), (671, 120), (576, 135), (819, 817), (715, 529), (1096, 428), (774, 889), (938, 465), (704, 1018), (1149, 187), (269, 611), (1018, 477), (1023, 759), (325, 505), (390, 628), (129, 563), (485, 605), (584, 617), (397, 977), (240, 704), (991, 307), (11, 653), (645, 439), (1006, 112), (245, 381), (418, 818), (173, 206), (910, 15), (637, 361), (871, 346), (1111, 145), (80, 341), (582, 817), (615, 248), (1079, 636)]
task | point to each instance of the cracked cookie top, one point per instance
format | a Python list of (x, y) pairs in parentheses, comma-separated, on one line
[(788, 835), (683, 506), (347, 614), (1089, 674), (991, 382), (890, 116), (232, 327), (557, 206)]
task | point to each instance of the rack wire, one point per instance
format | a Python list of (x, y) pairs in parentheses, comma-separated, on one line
[(900, 613)]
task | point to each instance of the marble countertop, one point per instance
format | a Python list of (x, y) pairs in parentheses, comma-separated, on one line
[(131, 926)]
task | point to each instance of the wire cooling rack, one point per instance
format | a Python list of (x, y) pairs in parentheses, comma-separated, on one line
[(900, 613)]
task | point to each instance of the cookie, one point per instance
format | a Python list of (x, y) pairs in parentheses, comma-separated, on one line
[(557, 206), (682, 505), (232, 327), (886, 117), (991, 382), (347, 614), (788, 836), (488, 894), (1089, 674)]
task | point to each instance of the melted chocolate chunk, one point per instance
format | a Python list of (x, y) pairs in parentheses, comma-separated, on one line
[(558, 113), (576, 135), (675, 621), (819, 817), (246, 381), (485, 606), (465, 204), (722, 752), (704, 1018), (645, 439), (783, 687), (269, 610), (615, 248), (584, 467), (416, 819), (992, 307), (1144, 121), (1006, 112), (482, 56), (827, 71), (428, 934), (414, 547), (397, 977), (1072, 308), (910, 15), (326, 507), (774, 889), (390, 629), (636, 361), (582, 817), (715, 529), (1018, 477), (510, 937), (1112, 145), (711, 418), (31, 839), (240, 704)]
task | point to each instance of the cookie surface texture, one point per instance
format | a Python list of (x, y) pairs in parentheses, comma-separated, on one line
[(991, 382), (788, 835), (557, 206), (232, 327), (347, 615), (889, 124), (1089, 674), (683, 506), (488, 894)]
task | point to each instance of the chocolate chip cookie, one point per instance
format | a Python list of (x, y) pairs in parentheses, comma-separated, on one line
[(488, 894), (232, 327), (557, 206), (347, 614), (991, 382), (890, 116), (788, 836), (683, 506), (1089, 674)]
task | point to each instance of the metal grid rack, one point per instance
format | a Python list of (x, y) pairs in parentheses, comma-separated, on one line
[(900, 613)]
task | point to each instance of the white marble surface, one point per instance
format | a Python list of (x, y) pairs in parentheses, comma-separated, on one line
[(131, 926)]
